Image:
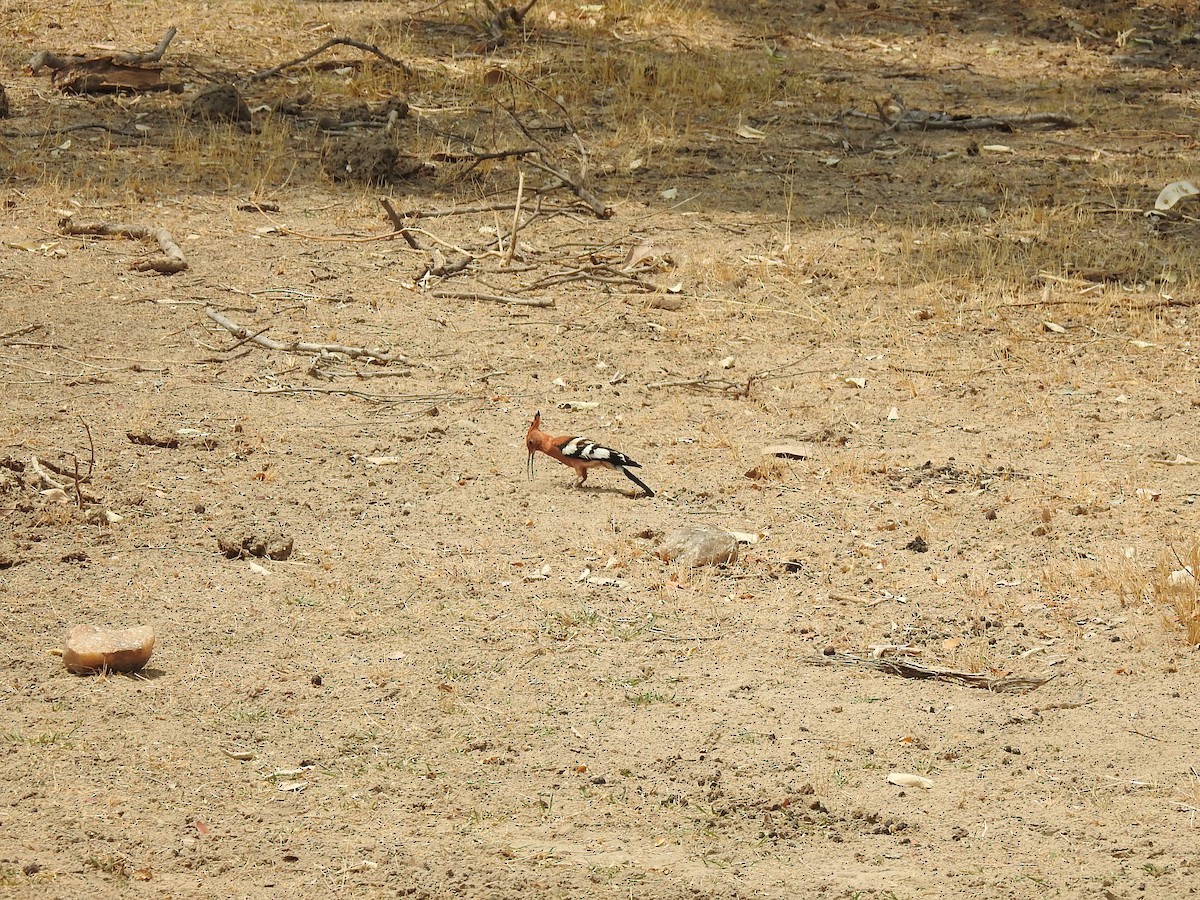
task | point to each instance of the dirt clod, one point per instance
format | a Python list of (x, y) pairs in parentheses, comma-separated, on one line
[(373, 158), (254, 541), (219, 103)]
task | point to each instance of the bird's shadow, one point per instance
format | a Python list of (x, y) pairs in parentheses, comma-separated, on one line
[(599, 489)]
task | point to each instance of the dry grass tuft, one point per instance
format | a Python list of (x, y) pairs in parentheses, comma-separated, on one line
[(1175, 583)]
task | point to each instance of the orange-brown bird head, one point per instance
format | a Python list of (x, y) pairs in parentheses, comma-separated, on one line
[(531, 442)]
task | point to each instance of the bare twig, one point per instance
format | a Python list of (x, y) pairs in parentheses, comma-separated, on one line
[(332, 42), (135, 59), (91, 445), (50, 132), (912, 670), (44, 477), (247, 339), (500, 17), (494, 298), (707, 382), (58, 470), (361, 395), (78, 492), (5, 338), (512, 241), (302, 346), (922, 120), (598, 206), (445, 269), (602, 273), (460, 210), (398, 223), (171, 260), (478, 155)]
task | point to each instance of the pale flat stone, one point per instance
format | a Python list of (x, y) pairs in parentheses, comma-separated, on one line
[(89, 649)]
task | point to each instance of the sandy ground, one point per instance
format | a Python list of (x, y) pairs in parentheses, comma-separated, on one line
[(465, 683)]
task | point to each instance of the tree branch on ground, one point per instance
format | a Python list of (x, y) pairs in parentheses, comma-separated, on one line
[(169, 263), (332, 42), (240, 331), (45, 59)]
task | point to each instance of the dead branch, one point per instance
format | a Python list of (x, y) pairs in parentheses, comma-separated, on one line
[(171, 260), (444, 269), (111, 129), (44, 59), (478, 156), (494, 298), (8, 335), (398, 223), (461, 210), (705, 382), (502, 17), (911, 670), (601, 273), (332, 42), (153, 56), (598, 206), (104, 76), (91, 451), (516, 224), (44, 477), (58, 470), (240, 331), (923, 120), (347, 392)]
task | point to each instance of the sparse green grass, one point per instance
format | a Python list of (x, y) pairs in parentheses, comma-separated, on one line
[(45, 739)]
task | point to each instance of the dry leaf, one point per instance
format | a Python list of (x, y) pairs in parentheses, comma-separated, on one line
[(904, 779), (1173, 193), (661, 255)]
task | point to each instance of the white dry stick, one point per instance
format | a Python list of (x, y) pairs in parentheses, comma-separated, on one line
[(44, 476), (247, 336), (512, 241)]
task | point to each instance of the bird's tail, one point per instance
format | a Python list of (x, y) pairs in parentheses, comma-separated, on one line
[(645, 487)]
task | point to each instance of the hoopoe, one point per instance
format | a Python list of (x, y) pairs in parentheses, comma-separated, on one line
[(580, 454)]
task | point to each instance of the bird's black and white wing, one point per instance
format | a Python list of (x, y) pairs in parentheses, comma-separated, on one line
[(590, 452), (585, 450)]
